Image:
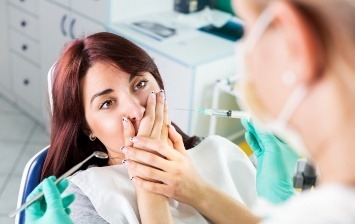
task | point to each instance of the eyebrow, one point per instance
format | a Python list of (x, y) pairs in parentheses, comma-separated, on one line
[(106, 91), (131, 77)]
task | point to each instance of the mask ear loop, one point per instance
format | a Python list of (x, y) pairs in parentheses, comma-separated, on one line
[(260, 27), (291, 105)]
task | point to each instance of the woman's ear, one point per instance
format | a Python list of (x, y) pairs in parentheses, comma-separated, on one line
[(305, 52), (87, 131)]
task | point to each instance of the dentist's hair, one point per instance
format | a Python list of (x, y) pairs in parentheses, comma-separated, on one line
[(70, 143)]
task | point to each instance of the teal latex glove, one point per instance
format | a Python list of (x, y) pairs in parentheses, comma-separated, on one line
[(276, 163), (51, 208)]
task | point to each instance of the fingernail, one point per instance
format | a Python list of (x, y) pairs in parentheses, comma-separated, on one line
[(162, 94), (124, 122), (133, 139), (171, 126), (123, 149), (152, 95)]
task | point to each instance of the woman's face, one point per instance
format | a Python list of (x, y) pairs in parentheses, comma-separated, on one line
[(109, 94)]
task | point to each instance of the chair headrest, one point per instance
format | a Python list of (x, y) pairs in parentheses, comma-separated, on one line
[(50, 80)]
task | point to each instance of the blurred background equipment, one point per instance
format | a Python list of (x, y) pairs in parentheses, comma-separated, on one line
[(189, 6), (305, 176)]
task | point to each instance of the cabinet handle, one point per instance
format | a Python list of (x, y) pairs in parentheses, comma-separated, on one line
[(22, 0), (24, 47), (62, 23), (71, 29), (26, 82), (23, 23)]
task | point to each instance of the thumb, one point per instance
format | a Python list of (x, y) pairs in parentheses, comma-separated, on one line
[(248, 125), (128, 131), (253, 143), (36, 206), (176, 138)]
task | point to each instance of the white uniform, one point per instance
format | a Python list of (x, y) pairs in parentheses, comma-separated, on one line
[(328, 204), (217, 160)]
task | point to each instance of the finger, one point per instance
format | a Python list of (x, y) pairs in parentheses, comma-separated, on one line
[(67, 210), (164, 136), (253, 143), (39, 188), (51, 194), (146, 125), (36, 206), (67, 200), (159, 116), (35, 191), (147, 172), (62, 185), (177, 140), (145, 157), (248, 125), (128, 131), (153, 145), (262, 135), (158, 188)]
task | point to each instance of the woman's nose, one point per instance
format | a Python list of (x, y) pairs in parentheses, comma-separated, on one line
[(134, 110)]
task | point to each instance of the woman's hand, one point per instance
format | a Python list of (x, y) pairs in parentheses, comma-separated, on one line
[(153, 125), (153, 208), (155, 122), (173, 175)]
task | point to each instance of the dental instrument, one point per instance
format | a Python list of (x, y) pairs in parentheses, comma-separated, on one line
[(220, 113), (97, 154)]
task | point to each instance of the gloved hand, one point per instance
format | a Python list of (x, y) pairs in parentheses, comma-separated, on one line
[(276, 163), (51, 208)]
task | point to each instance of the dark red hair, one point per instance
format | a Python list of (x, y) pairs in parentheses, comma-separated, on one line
[(69, 141)]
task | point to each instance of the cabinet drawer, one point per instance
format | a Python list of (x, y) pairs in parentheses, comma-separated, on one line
[(24, 46), (24, 22), (29, 5), (26, 83)]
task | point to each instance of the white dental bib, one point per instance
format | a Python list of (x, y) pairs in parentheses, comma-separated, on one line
[(216, 159)]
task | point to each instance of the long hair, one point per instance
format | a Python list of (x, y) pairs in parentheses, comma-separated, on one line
[(69, 141)]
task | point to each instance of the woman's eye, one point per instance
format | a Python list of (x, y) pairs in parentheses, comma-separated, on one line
[(140, 85), (106, 104)]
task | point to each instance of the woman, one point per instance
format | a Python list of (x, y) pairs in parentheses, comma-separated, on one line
[(106, 90), (299, 84)]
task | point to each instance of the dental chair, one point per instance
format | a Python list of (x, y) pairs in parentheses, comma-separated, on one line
[(30, 179), (33, 169)]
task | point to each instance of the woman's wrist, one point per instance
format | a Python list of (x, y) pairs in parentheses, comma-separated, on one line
[(220, 207), (200, 197), (153, 208)]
